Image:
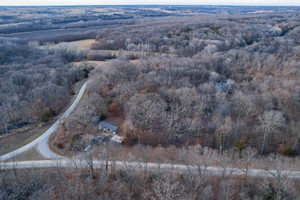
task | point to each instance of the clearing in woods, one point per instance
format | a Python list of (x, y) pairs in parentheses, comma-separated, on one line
[(79, 45)]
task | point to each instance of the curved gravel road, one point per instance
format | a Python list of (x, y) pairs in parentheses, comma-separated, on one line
[(42, 141)]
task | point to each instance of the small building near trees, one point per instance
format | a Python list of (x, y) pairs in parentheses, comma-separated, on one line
[(105, 126)]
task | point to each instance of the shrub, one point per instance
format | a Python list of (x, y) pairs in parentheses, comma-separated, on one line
[(114, 108), (101, 116), (132, 57), (239, 146), (60, 146), (72, 93), (47, 115), (76, 143), (288, 152), (86, 73)]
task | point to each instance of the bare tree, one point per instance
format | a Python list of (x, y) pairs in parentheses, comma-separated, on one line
[(295, 128), (278, 172), (248, 155), (166, 187), (227, 189), (89, 159), (129, 176), (245, 105), (5, 117), (225, 164), (224, 127), (270, 122), (15, 170), (2, 180), (143, 154)]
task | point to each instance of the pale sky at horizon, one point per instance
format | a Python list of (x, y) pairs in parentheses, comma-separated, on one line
[(149, 2)]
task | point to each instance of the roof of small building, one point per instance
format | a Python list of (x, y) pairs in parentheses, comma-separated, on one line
[(108, 125), (117, 138)]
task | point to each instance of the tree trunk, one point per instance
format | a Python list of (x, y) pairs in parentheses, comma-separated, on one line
[(106, 164), (295, 144), (246, 176), (6, 127), (263, 145)]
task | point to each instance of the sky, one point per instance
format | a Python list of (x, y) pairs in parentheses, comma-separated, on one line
[(149, 2)]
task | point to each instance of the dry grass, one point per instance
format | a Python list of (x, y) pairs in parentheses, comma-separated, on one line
[(98, 64), (13, 141), (31, 154), (85, 45), (128, 53), (79, 45)]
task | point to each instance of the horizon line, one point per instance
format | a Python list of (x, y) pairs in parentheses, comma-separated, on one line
[(71, 5)]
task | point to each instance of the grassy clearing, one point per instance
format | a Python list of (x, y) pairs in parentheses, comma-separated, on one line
[(85, 45), (11, 142), (31, 154), (96, 63), (79, 45)]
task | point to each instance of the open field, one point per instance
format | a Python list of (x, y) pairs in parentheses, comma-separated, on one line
[(80, 45), (45, 36), (14, 141), (31, 154), (86, 45), (94, 63)]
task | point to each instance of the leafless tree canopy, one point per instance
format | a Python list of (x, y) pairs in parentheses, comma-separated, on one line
[(222, 81)]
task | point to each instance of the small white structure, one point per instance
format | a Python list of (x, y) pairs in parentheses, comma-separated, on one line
[(87, 148), (117, 138)]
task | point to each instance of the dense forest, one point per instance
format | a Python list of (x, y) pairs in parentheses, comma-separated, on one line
[(216, 80), (219, 82)]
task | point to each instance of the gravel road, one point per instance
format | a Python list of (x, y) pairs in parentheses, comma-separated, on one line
[(210, 170)]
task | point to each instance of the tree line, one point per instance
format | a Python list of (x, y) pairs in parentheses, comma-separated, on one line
[(87, 180)]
